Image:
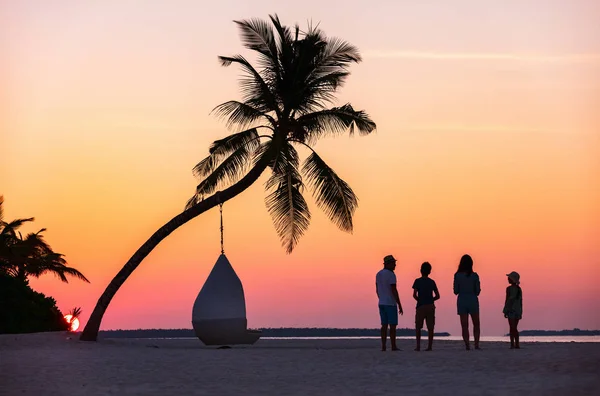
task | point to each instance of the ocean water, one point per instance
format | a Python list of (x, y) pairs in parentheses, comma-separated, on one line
[(451, 338), (459, 338)]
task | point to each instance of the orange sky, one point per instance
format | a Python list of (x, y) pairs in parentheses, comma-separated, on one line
[(487, 144)]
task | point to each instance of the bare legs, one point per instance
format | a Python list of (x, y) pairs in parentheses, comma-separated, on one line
[(430, 339), (464, 323), (476, 329), (392, 337), (418, 334), (514, 333)]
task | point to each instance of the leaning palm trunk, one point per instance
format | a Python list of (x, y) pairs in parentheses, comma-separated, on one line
[(90, 332), (298, 75)]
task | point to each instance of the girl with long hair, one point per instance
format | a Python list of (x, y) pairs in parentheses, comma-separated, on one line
[(467, 288)]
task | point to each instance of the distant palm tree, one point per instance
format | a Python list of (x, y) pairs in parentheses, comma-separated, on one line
[(73, 318), (22, 257), (75, 312), (287, 97), (8, 235)]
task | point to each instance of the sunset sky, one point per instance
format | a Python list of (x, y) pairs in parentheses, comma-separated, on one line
[(487, 143)]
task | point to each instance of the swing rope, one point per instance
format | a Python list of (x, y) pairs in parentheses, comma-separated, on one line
[(221, 215)]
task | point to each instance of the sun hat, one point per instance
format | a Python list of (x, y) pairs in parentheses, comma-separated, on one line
[(514, 276), (389, 259)]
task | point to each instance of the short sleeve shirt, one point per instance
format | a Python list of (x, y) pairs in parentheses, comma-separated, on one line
[(384, 281), (425, 288)]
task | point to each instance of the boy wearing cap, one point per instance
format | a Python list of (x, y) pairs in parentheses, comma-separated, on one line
[(513, 307), (389, 300)]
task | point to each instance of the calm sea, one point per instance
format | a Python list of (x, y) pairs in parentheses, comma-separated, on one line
[(451, 338), (459, 338)]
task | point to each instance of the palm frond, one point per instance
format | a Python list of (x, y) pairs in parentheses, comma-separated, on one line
[(222, 147), (241, 114), (54, 263), (339, 53), (248, 138), (237, 160), (303, 55), (319, 66), (258, 36), (230, 169), (194, 200), (319, 91), (11, 227), (287, 207), (75, 273), (331, 193), (336, 120), (254, 88), (284, 42), (263, 149), (75, 312), (285, 161)]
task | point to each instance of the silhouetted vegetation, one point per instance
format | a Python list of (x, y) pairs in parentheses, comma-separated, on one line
[(23, 310), (266, 332), (574, 332), (22, 257)]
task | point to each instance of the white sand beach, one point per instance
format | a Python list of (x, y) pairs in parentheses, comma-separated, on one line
[(59, 364)]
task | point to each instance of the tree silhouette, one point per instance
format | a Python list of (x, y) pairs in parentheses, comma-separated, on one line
[(22, 257), (286, 98)]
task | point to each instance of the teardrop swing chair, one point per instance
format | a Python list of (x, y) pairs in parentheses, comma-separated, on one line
[(219, 312)]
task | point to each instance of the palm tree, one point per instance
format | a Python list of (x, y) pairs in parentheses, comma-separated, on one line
[(73, 318), (8, 236), (75, 312), (22, 257), (286, 97)]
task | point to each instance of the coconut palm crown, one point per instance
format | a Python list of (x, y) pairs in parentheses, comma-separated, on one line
[(285, 101)]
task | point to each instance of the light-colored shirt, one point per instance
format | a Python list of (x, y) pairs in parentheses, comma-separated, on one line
[(467, 285), (384, 281)]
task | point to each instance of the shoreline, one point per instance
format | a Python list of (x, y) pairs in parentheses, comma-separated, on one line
[(483, 339)]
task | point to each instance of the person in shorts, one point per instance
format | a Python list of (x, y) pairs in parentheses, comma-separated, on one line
[(425, 291), (467, 287), (389, 301), (513, 307)]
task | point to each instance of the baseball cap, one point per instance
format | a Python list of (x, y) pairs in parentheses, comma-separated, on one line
[(514, 276)]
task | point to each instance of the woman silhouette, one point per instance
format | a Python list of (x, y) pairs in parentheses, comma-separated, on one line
[(467, 288)]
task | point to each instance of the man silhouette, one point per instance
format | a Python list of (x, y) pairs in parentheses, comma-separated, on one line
[(389, 301)]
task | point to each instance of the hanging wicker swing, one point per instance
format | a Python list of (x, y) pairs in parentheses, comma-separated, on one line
[(219, 312)]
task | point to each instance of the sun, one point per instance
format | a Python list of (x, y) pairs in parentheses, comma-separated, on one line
[(74, 322)]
